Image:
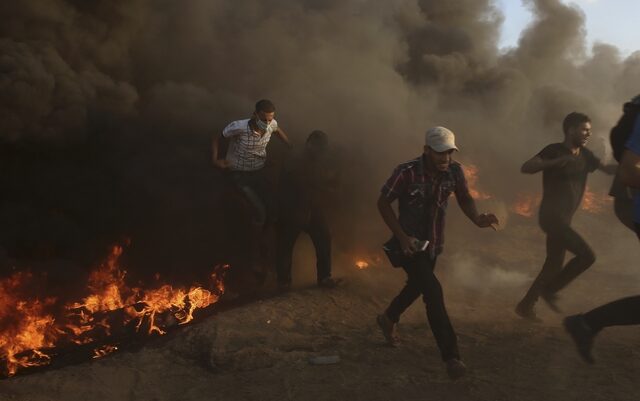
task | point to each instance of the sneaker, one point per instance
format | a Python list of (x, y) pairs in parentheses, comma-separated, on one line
[(388, 330), (551, 300), (455, 368), (329, 282), (284, 287), (582, 335), (527, 312)]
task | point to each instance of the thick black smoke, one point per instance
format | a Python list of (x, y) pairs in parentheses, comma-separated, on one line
[(107, 108)]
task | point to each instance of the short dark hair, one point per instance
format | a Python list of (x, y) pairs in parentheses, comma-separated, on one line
[(265, 105), (319, 137), (573, 120)]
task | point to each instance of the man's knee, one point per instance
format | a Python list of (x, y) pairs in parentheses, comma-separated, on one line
[(588, 257)]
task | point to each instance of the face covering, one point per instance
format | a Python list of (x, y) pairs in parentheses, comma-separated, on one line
[(266, 127)]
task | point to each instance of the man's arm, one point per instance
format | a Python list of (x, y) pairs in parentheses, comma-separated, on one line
[(279, 132), (215, 146), (609, 169), (468, 206), (391, 220), (537, 164), (629, 170)]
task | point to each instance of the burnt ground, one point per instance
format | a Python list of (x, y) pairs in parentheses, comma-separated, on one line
[(262, 350)]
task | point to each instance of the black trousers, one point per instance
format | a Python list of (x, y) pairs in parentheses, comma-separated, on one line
[(256, 188), (553, 277), (288, 231), (421, 280), (623, 312)]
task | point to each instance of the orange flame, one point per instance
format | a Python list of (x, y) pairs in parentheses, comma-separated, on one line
[(595, 202), (104, 350), (471, 174), (526, 204), (361, 264), (29, 329), (592, 202)]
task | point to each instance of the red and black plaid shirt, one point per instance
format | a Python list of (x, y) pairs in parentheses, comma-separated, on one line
[(423, 198)]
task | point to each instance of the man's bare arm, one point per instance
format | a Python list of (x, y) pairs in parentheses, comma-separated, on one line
[(537, 164), (215, 146), (391, 220), (609, 169), (468, 206), (283, 136)]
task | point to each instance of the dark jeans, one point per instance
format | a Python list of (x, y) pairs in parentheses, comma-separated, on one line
[(623, 312), (553, 277), (257, 190), (289, 230), (421, 280)]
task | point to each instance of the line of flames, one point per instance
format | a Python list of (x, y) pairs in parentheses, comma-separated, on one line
[(526, 203), (28, 331), (592, 202), (471, 174)]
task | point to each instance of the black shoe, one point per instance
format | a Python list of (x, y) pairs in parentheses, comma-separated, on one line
[(284, 287), (329, 282), (389, 330), (582, 335), (526, 312), (455, 368)]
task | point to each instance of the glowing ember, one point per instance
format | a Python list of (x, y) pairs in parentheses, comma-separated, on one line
[(471, 174), (28, 330), (593, 202), (526, 204), (104, 350), (361, 264)]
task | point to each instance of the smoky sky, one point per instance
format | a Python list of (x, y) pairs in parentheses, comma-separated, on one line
[(107, 108)]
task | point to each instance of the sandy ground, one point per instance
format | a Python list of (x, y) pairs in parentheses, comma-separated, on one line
[(262, 351)]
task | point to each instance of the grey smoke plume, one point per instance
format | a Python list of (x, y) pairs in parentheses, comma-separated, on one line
[(139, 87)]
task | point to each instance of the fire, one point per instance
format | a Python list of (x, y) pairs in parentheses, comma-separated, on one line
[(104, 350), (361, 264), (526, 204), (471, 174), (594, 202), (29, 331)]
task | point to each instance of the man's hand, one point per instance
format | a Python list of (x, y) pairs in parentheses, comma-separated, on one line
[(487, 220), (222, 164), (563, 160), (408, 245), (609, 169)]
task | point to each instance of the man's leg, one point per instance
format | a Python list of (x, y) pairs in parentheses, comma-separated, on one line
[(409, 293), (623, 312), (584, 258), (255, 187), (251, 186), (318, 230), (583, 328), (287, 234), (433, 298), (552, 266), (389, 319)]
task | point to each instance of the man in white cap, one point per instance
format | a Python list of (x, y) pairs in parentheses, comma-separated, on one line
[(422, 187)]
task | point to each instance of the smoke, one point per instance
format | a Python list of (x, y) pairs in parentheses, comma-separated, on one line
[(107, 108)]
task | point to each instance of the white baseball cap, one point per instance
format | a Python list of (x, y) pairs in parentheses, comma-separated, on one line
[(440, 139)]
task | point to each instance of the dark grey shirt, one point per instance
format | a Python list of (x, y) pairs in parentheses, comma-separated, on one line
[(563, 187)]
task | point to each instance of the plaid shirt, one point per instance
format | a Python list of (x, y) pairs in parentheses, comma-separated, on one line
[(247, 148), (423, 198)]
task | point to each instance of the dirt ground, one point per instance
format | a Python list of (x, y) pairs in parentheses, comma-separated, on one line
[(262, 350)]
